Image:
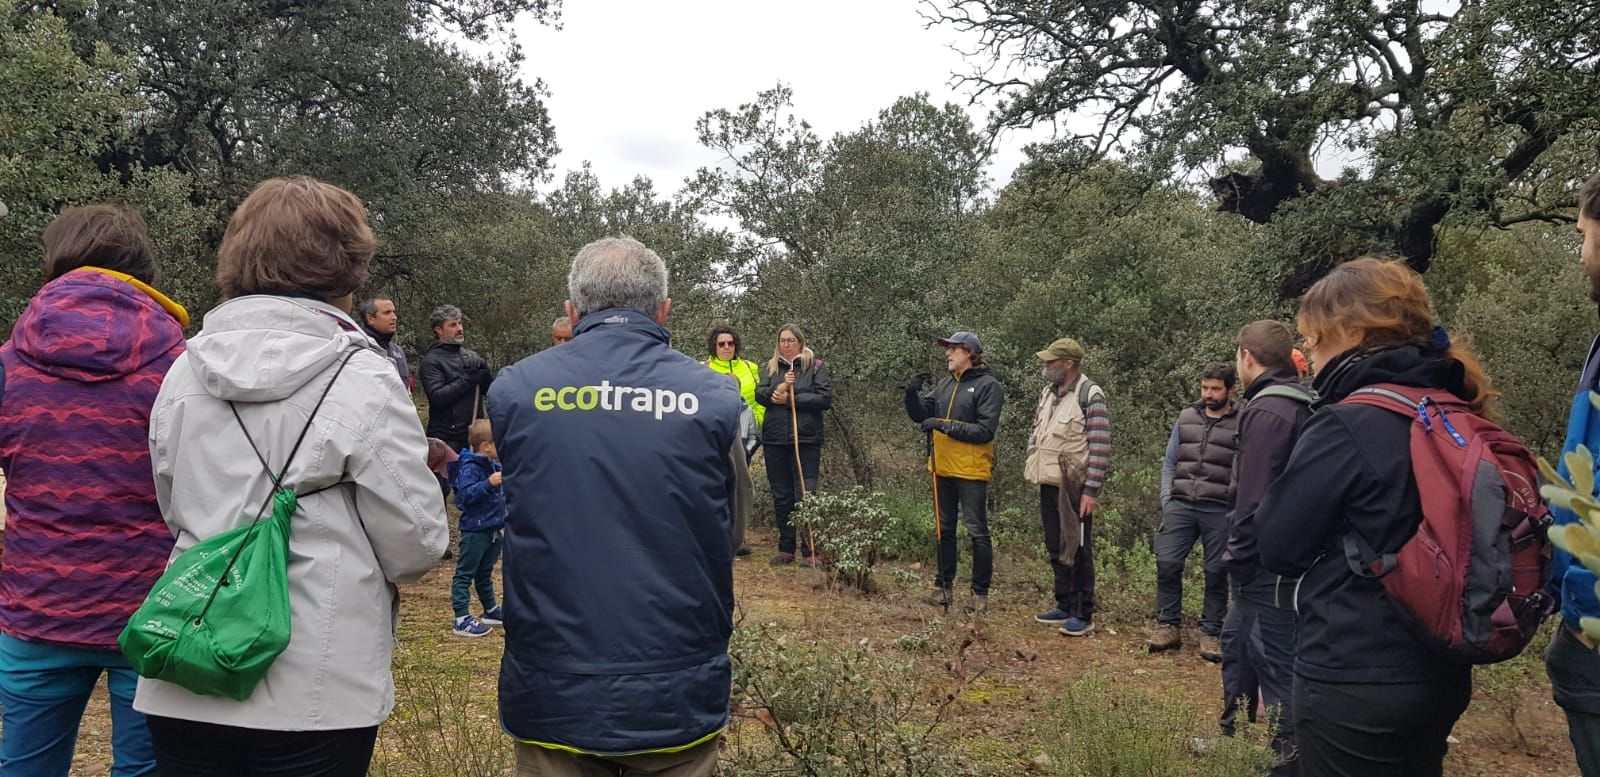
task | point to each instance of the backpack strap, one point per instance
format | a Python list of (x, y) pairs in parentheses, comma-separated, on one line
[(1296, 393), (1086, 390), (277, 478)]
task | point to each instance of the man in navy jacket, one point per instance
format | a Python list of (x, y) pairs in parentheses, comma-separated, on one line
[(620, 458)]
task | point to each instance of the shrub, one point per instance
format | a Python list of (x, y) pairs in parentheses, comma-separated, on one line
[(850, 528), (1117, 730), (826, 712)]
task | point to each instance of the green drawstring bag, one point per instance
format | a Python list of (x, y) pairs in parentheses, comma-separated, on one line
[(219, 616)]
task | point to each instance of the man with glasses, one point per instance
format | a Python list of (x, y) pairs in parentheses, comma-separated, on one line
[(1069, 453)]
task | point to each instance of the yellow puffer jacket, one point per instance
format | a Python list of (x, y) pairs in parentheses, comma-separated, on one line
[(748, 373)]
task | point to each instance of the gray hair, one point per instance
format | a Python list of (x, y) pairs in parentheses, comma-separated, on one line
[(617, 272), (442, 314), (369, 306), (560, 322)]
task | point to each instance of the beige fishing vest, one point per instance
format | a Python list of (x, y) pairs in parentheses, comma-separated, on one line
[(1058, 433)]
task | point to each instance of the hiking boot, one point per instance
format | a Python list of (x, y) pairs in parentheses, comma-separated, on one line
[(1164, 636), (815, 561), (977, 604), (493, 616), (782, 558), (1055, 617), (744, 550), (1077, 627), (940, 597), (468, 626), (1211, 648)]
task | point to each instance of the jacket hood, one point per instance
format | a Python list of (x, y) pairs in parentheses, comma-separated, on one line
[(1406, 365), (90, 327), (264, 348)]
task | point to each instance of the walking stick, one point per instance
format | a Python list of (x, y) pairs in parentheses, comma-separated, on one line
[(794, 434)]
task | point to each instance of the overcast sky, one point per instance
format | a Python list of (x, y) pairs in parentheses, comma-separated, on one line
[(628, 78)]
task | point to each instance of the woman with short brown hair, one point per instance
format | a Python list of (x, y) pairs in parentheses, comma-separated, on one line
[(369, 516)]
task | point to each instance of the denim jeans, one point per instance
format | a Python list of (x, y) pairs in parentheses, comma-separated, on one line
[(475, 559), (44, 689)]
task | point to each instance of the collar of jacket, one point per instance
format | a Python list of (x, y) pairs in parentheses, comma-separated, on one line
[(174, 309), (1406, 365), (1233, 410), (971, 373), (381, 339), (622, 318), (1276, 376)]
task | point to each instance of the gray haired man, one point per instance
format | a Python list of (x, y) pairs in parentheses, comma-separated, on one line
[(380, 320), (454, 377)]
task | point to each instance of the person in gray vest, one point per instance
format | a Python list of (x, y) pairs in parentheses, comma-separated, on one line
[(1194, 506)]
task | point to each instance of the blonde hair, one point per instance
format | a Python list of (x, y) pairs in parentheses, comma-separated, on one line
[(802, 362), (1379, 303), (478, 433)]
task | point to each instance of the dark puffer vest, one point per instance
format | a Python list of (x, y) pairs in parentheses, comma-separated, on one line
[(1206, 447)]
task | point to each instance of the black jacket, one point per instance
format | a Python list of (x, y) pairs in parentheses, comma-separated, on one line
[(1351, 471), (452, 377), (813, 393), (1268, 428), (975, 413)]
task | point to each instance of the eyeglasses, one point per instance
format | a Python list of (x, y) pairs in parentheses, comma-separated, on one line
[(724, 343)]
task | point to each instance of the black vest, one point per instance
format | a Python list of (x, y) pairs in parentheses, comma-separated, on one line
[(1206, 447)]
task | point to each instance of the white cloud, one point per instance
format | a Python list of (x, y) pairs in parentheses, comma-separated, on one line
[(629, 78)]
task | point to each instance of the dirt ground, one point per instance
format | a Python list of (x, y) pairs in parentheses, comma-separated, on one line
[(1024, 666)]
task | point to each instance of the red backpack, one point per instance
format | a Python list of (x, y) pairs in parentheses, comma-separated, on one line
[(1472, 578)]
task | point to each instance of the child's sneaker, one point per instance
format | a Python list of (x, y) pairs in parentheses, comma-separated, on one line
[(468, 626), (492, 616)]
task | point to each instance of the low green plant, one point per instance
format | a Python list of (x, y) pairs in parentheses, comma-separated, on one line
[(821, 711), (850, 529), (1112, 729), (444, 721)]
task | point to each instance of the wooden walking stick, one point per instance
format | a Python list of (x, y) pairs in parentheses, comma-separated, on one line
[(794, 435)]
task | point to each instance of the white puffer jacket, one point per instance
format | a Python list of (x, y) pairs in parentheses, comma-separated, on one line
[(381, 520)]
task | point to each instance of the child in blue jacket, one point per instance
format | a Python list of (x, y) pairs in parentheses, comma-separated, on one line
[(476, 480)]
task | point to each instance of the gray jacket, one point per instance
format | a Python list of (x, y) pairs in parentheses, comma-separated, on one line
[(379, 522)]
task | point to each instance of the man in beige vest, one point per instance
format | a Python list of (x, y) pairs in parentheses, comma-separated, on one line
[(1069, 453)]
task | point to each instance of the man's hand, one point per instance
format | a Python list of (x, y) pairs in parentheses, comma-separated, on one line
[(471, 362), (931, 424), (1086, 505), (917, 381), (495, 480)]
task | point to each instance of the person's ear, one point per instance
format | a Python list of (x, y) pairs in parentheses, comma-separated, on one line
[(662, 311)]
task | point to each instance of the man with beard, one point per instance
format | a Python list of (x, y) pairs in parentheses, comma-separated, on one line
[(380, 320), (1194, 506), (1571, 661), (1069, 453), (453, 377), (962, 414)]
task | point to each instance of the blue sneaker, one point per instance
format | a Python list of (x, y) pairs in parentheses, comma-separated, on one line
[(468, 626), (1077, 627), (492, 616), (1055, 617)]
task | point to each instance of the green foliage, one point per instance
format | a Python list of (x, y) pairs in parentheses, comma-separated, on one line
[(1581, 538), (439, 727), (1109, 729), (1460, 113), (850, 528), (832, 712)]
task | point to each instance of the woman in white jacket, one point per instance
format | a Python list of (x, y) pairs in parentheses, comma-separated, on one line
[(371, 517)]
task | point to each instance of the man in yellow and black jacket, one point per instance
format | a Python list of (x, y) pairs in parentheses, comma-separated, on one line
[(962, 414)]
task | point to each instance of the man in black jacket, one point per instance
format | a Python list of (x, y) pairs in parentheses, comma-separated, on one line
[(962, 414), (1262, 638), (453, 377)]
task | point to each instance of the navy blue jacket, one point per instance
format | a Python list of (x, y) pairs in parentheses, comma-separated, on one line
[(618, 552), (483, 507)]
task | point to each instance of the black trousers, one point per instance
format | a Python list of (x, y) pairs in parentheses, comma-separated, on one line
[(1377, 730), (1575, 682), (187, 748), (1074, 583), (970, 498), (1182, 523), (783, 477)]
